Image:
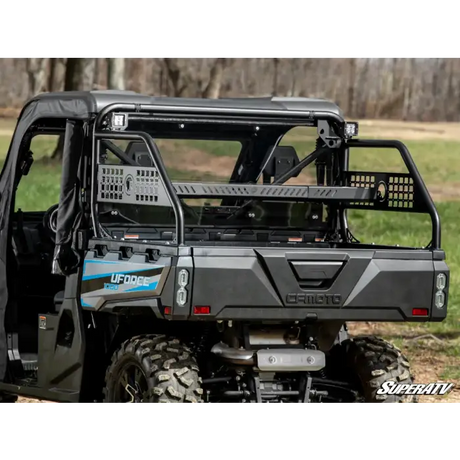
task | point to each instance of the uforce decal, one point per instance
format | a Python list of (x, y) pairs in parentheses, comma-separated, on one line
[(313, 299), (119, 278)]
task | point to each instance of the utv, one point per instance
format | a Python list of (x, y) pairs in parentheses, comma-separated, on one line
[(139, 288)]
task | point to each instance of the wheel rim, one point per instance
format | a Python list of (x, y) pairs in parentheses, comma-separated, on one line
[(131, 384)]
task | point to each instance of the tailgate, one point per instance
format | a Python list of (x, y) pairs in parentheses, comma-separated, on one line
[(348, 284)]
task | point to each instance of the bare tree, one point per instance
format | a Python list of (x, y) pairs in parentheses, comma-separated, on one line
[(36, 72), (212, 90), (89, 69), (56, 74), (351, 85), (413, 89), (116, 73), (79, 76), (179, 79), (276, 63)]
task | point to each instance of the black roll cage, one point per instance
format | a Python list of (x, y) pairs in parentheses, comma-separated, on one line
[(231, 115)]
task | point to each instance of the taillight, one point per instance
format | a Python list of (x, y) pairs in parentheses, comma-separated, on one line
[(419, 312), (201, 310)]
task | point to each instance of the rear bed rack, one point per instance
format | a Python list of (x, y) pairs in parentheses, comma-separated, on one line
[(282, 192)]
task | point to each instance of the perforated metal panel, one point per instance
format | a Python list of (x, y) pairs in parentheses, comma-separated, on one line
[(301, 193), (395, 191), (130, 184)]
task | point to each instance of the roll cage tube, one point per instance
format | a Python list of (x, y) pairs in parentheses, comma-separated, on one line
[(335, 119), (418, 181), (157, 160), (308, 115)]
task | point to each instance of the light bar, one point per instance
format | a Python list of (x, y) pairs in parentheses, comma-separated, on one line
[(351, 129), (119, 121)]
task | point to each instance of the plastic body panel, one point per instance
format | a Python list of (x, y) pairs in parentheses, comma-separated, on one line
[(262, 284), (257, 284)]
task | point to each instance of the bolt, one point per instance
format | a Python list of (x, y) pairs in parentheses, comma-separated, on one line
[(310, 359), (272, 360), (314, 216), (257, 128), (181, 126)]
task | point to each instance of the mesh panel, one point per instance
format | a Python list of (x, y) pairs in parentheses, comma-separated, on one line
[(130, 184), (394, 191)]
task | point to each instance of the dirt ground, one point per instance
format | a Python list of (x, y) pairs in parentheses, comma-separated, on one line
[(408, 130), (429, 356)]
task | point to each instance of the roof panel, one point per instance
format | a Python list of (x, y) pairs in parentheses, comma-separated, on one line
[(98, 100)]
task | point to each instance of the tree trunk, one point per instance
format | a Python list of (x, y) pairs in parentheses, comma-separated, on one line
[(116, 73), (86, 69), (51, 74), (175, 76), (74, 72), (276, 62), (212, 90), (36, 72), (351, 87), (97, 73), (79, 76)]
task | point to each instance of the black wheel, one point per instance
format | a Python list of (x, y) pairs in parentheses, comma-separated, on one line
[(153, 369), (7, 398), (374, 361)]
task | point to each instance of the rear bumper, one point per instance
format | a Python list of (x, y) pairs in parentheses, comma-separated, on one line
[(319, 284)]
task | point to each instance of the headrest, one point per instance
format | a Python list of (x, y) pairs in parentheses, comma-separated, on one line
[(283, 159), (138, 151)]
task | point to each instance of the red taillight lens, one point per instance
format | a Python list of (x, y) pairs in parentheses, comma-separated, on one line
[(419, 312), (167, 310), (201, 310)]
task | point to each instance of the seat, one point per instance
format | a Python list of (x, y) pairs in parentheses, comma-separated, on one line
[(139, 152), (278, 162)]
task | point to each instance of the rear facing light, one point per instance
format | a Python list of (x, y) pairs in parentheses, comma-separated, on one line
[(419, 312), (440, 299), (182, 279), (181, 296), (167, 310), (201, 310), (441, 281)]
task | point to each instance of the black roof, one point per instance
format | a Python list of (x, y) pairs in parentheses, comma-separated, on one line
[(95, 101)]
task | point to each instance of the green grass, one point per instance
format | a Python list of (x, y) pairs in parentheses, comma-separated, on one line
[(40, 189), (451, 373), (216, 148), (438, 161), (415, 230), (193, 176)]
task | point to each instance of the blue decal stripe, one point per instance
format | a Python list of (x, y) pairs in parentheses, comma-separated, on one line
[(150, 287), (84, 304), (103, 275), (92, 261), (111, 262)]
